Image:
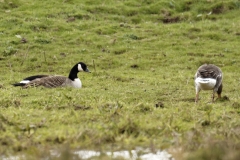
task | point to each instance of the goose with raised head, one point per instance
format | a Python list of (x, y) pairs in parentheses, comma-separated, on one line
[(52, 81)]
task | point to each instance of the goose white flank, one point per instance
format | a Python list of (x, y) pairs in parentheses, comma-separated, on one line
[(52, 81)]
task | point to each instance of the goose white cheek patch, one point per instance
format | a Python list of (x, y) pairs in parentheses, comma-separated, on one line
[(80, 67)]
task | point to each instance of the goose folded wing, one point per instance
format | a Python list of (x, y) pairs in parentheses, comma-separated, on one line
[(49, 82), (218, 83), (207, 73)]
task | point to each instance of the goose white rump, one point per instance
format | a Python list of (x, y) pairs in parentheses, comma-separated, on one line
[(205, 83)]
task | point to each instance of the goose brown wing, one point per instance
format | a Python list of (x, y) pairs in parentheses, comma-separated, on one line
[(49, 82), (31, 78), (218, 82), (208, 71)]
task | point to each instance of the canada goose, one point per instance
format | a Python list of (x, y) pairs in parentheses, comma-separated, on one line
[(52, 81), (208, 77)]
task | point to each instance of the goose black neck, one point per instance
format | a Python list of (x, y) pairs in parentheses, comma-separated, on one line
[(73, 74)]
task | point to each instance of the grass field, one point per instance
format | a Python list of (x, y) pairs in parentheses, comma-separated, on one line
[(140, 93)]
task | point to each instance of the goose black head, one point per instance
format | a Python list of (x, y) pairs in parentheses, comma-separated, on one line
[(79, 67), (82, 67)]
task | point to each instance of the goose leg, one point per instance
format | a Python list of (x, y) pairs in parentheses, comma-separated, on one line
[(196, 98), (213, 97), (219, 95)]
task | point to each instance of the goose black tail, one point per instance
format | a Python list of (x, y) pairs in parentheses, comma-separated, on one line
[(18, 84)]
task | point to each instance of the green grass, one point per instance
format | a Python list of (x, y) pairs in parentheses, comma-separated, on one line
[(143, 56)]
